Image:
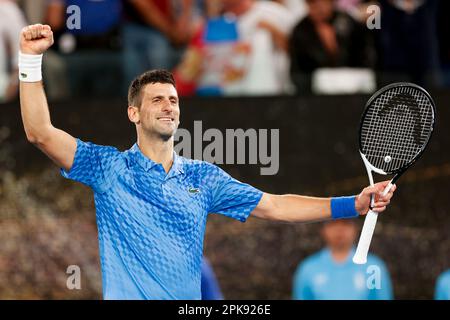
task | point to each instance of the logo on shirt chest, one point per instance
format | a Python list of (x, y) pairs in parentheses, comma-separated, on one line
[(193, 190), (320, 279)]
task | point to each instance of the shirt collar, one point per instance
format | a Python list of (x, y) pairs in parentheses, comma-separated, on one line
[(147, 164), (177, 165), (327, 254)]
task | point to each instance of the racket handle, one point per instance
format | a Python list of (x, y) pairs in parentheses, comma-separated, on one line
[(362, 250), (370, 222)]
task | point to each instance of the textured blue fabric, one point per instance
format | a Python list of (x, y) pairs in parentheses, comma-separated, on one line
[(343, 207), (151, 224), (319, 277), (210, 285)]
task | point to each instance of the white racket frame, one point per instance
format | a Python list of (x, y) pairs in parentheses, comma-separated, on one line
[(370, 221)]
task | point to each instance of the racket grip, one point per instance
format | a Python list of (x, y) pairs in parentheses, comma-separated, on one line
[(362, 250), (365, 239)]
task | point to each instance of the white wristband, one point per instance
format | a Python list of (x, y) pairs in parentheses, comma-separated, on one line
[(30, 67)]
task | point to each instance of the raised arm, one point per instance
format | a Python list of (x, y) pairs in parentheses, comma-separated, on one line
[(296, 208), (55, 143)]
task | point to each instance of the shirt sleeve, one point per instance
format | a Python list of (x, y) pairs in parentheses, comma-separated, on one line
[(93, 165), (231, 197)]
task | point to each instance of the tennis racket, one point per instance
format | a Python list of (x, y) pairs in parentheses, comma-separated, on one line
[(395, 129)]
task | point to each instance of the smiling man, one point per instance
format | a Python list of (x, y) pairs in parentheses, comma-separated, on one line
[(151, 204)]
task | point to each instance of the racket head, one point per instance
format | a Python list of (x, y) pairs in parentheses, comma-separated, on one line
[(396, 126)]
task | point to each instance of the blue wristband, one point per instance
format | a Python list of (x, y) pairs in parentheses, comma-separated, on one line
[(343, 207)]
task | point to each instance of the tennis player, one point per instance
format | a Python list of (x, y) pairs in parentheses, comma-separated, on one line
[(152, 204)]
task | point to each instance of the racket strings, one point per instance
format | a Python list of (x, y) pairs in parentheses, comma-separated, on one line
[(400, 127), (396, 127), (379, 150)]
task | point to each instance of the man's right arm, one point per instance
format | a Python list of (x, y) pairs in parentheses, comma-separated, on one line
[(55, 143)]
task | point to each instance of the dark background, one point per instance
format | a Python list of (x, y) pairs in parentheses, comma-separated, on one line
[(48, 223)]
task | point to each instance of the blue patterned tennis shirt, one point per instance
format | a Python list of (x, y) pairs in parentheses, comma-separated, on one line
[(151, 224)]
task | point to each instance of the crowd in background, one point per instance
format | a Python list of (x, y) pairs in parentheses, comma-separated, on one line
[(241, 47), (231, 47)]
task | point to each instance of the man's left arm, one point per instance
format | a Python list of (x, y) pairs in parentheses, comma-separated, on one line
[(297, 208)]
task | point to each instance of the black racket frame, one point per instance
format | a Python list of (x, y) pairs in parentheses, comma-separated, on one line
[(397, 173)]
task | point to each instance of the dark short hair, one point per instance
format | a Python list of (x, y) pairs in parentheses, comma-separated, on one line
[(152, 76)]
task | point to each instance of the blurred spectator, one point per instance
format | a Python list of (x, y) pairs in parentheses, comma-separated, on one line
[(54, 69), (408, 48), (34, 10), (265, 26), (210, 286), (442, 291), (331, 274), (98, 26), (212, 8), (347, 5), (327, 38), (296, 7), (243, 52), (89, 40), (155, 33), (356, 8), (213, 60), (11, 23)]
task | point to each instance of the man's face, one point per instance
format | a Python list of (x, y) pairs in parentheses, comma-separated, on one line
[(159, 113), (339, 234)]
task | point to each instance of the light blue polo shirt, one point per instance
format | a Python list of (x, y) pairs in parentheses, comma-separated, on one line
[(319, 277), (442, 291), (151, 224)]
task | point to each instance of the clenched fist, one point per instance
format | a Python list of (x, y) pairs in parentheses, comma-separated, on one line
[(36, 39)]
